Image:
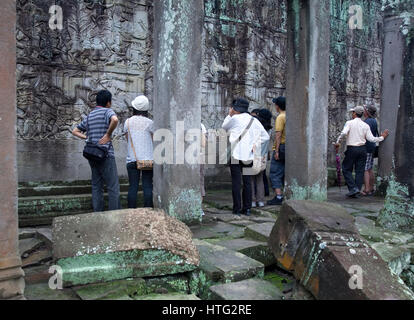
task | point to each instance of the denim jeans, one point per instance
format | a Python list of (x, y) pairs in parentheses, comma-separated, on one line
[(134, 176), (277, 173), (105, 172)]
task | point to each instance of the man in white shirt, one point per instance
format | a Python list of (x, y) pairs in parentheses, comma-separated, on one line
[(243, 142), (357, 133)]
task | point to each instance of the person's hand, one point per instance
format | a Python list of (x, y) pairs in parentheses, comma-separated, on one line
[(277, 155), (231, 112), (337, 146), (385, 133), (105, 139)]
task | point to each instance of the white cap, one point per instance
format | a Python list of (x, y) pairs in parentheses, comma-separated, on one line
[(141, 103)]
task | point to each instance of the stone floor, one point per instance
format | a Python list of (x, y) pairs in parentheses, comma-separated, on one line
[(236, 262)]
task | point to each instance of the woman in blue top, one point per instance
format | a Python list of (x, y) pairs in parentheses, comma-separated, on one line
[(369, 178)]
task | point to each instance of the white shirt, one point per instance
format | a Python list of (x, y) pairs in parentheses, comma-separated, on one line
[(255, 137), (358, 132), (141, 129)]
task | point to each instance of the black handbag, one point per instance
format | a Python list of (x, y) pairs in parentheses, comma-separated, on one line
[(94, 151), (376, 151)]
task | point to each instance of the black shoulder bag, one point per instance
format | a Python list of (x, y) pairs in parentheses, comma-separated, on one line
[(94, 151), (376, 151)]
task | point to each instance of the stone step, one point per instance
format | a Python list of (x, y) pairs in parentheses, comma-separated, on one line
[(397, 257), (253, 249), (259, 232), (224, 265), (251, 289), (39, 211), (217, 230)]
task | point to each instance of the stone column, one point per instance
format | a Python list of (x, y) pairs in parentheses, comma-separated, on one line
[(398, 212), (177, 103), (390, 98), (11, 273), (307, 99)]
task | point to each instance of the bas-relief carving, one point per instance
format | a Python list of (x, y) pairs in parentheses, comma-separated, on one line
[(108, 44), (103, 45)]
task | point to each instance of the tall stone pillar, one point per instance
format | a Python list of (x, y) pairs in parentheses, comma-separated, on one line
[(177, 104), (398, 212), (392, 68), (307, 99), (11, 274)]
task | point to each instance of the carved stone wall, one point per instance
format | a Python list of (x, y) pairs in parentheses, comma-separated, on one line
[(108, 44)]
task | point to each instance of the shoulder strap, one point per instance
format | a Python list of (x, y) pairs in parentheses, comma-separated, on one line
[(132, 143), (243, 134)]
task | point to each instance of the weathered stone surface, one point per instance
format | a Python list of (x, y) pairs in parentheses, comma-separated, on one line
[(217, 230), (377, 234), (172, 296), (398, 258), (112, 290), (123, 244), (27, 246), (253, 249), (223, 265), (319, 243), (251, 289), (39, 256), (259, 232), (43, 292)]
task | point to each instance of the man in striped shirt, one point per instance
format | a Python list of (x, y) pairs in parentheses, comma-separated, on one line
[(97, 128)]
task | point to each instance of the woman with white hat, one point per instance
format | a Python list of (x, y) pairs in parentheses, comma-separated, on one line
[(139, 130)]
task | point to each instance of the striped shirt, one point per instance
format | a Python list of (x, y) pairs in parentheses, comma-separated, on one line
[(96, 125)]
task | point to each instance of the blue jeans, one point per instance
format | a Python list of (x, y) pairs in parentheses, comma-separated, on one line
[(134, 176), (277, 173), (105, 172)]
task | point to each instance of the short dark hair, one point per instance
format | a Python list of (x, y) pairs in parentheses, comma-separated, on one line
[(103, 97), (359, 115), (280, 102), (140, 113)]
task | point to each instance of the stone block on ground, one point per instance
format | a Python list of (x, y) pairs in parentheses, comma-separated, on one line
[(29, 245), (223, 265), (259, 232), (263, 220), (251, 289), (319, 243), (217, 230), (43, 292), (397, 257), (253, 249), (170, 296), (124, 244), (377, 234), (37, 257)]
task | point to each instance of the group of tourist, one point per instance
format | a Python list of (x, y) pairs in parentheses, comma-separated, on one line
[(249, 135)]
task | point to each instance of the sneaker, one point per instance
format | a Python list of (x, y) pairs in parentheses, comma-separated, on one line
[(261, 204), (354, 193), (247, 212), (202, 213), (275, 202), (254, 205), (236, 213)]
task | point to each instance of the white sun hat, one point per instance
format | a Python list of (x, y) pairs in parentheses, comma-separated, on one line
[(141, 103)]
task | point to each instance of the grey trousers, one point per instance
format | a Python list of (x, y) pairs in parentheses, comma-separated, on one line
[(258, 190)]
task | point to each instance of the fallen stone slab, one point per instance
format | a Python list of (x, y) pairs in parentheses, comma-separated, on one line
[(251, 289), (43, 292), (217, 230), (172, 296), (223, 265), (259, 232), (112, 290), (320, 244), (242, 223), (362, 221), (398, 258), (263, 220), (37, 257), (27, 246), (114, 245), (253, 249), (37, 274), (377, 234)]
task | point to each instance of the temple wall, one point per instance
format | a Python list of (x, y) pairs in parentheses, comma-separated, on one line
[(108, 44)]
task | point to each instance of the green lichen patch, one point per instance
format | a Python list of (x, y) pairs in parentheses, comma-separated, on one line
[(121, 265)]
